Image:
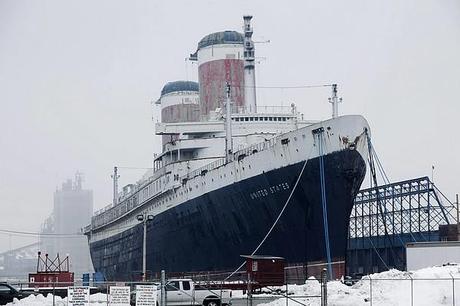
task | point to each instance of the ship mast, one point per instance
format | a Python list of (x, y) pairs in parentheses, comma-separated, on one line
[(334, 100), (249, 67), (115, 178), (228, 127)]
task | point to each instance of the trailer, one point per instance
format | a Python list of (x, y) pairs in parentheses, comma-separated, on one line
[(428, 254)]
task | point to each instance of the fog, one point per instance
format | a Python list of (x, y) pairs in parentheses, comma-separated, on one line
[(77, 79)]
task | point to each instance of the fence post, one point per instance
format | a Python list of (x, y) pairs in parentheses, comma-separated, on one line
[(411, 290), (249, 290), (163, 289), (370, 289), (54, 293), (287, 289), (453, 289), (324, 278)]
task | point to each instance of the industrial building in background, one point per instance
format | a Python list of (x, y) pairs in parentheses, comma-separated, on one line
[(60, 235), (61, 232)]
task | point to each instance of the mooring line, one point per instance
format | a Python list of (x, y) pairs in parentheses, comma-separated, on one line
[(279, 215)]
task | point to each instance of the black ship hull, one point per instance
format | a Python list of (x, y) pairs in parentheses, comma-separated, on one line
[(210, 232)]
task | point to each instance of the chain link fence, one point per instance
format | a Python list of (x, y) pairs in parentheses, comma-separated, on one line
[(369, 290)]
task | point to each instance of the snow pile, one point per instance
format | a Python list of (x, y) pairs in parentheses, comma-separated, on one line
[(40, 300), (430, 287)]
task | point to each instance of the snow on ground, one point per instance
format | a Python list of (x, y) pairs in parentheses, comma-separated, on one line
[(430, 287), (97, 299), (427, 287)]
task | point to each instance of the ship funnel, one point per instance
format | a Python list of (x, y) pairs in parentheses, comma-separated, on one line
[(249, 67)]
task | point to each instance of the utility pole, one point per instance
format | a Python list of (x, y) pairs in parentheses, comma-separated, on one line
[(144, 218)]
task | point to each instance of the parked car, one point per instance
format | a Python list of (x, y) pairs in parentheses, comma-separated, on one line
[(8, 293)]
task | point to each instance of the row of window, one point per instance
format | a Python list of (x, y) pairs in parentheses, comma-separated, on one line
[(259, 119), (155, 187)]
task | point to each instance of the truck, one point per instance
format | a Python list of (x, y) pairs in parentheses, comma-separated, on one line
[(182, 291)]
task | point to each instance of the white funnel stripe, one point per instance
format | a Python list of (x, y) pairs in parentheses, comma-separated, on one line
[(220, 52), (180, 97)]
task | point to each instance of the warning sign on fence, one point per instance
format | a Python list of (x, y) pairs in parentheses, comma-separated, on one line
[(78, 296), (119, 296), (146, 295)]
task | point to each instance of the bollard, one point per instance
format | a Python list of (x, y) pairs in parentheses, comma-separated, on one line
[(163, 288), (324, 278)]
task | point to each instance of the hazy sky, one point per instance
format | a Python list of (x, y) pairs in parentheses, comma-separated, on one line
[(77, 79)]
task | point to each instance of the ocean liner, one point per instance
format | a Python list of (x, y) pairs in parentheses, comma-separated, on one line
[(229, 171)]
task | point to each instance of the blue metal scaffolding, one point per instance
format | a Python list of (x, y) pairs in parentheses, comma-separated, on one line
[(386, 217)]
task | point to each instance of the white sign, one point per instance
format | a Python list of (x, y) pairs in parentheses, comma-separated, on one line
[(146, 295), (78, 296), (119, 296)]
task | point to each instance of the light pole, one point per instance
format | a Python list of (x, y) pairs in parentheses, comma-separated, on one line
[(144, 218)]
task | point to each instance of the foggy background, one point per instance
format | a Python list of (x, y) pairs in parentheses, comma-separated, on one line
[(77, 79)]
